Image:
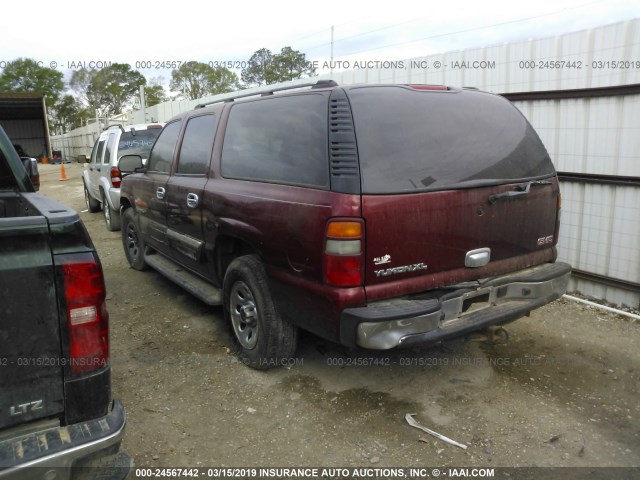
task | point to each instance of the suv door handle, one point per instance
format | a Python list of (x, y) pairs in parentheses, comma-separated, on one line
[(160, 193), (192, 200)]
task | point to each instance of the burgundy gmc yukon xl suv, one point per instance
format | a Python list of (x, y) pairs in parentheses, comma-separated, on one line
[(377, 216)]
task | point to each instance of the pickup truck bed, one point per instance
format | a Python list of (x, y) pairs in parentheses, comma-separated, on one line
[(55, 387)]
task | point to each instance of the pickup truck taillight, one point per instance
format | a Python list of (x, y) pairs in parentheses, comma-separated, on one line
[(87, 316), (116, 177), (343, 253)]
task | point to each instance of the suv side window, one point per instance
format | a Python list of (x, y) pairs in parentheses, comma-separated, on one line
[(162, 154), (109, 148), (94, 152), (99, 152), (279, 140), (197, 143)]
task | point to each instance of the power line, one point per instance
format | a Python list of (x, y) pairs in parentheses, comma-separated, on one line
[(430, 37)]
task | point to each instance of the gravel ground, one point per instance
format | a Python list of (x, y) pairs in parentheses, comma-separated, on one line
[(563, 392)]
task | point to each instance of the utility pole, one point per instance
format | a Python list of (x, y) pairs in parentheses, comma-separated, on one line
[(331, 50), (143, 104)]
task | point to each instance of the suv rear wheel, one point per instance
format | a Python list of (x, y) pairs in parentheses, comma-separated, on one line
[(92, 204), (111, 217), (263, 338), (132, 241)]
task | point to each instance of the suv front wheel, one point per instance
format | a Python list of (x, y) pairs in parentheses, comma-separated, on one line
[(132, 241), (264, 339)]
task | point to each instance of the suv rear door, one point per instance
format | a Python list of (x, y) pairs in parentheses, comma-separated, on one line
[(185, 193), (445, 173), (95, 166), (153, 187)]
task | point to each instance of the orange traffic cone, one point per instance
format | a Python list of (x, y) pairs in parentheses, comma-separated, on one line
[(63, 174)]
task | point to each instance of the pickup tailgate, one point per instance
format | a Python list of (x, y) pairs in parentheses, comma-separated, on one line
[(31, 374)]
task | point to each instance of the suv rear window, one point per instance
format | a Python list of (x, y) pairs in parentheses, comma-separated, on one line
[(138, 144), (279, 140), (411, 141)]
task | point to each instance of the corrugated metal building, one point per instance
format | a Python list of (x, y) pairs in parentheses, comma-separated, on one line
[(24, 119), (581, 91)]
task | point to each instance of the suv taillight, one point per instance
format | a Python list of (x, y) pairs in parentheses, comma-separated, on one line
[(343, 253), (116, 177), (87, 316)]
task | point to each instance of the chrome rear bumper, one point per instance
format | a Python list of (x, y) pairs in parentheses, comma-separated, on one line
[(423, 319)]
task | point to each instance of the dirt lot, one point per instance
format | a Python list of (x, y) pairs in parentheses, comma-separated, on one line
[(563, 392)]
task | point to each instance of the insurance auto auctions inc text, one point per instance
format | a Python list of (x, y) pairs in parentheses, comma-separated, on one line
[(369, 473)]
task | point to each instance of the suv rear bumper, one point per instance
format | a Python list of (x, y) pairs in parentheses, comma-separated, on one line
[(431, 317), (57, 449)]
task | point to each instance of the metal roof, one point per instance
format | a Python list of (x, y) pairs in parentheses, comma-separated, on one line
[(20, 106)]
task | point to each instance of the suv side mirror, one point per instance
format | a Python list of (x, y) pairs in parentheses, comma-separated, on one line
[(82, 159), (31, 166), (130, 163)]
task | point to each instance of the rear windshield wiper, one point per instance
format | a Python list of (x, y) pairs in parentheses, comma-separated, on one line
[(520, 190)]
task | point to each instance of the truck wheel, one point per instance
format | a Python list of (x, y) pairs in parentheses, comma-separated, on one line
[(111, 217), (132, 241), (93, 205), (263, 338)]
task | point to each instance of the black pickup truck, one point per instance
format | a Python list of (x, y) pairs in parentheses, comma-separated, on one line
[(57, 418)]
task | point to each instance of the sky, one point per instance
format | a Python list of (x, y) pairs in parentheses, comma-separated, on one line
[(69, 34)]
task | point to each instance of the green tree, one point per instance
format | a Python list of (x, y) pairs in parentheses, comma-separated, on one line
[(25, 75), (68, 113), (196, 80), (265, 68), (259, 70), (80, 81), (113, 88), (154, 94), (222, 80), (290, 64)]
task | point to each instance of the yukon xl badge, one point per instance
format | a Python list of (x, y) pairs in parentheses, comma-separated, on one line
[(402, 269), (382, 260)]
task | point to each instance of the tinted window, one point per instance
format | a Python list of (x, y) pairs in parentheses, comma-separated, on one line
[(197, 143), (279, 140), (93, 152), (139, 143), (100, 150), (110, 144), (162, 154), (411, 141)]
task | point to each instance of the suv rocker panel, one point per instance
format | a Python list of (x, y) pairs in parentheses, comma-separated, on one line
[(187, 280)]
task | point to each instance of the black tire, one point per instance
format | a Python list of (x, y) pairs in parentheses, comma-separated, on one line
[(111, 217), (93, 205), (263, 338), (132, 241)]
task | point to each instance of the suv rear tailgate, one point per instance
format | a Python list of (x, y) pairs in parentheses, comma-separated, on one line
[(445, 172), (429, 233), (31, 376)]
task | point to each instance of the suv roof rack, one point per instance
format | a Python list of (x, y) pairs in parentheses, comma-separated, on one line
[(117, 125), (268, 90)]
